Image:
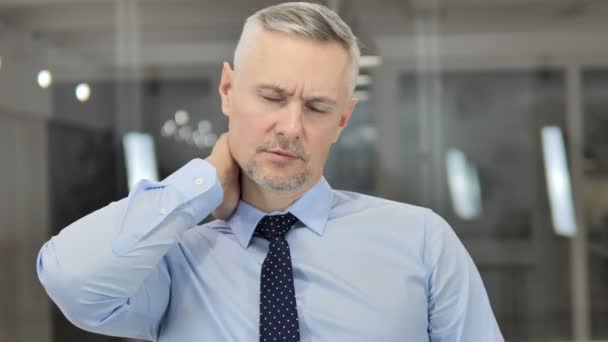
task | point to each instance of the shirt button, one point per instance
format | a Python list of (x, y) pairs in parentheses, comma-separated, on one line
[(163, 211), (199, 181), (299, 302)]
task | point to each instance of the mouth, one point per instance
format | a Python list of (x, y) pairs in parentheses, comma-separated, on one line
[(281, 153), (280, 157)]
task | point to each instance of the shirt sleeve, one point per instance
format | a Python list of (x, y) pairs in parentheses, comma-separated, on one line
[(106, 271), (459, 309)]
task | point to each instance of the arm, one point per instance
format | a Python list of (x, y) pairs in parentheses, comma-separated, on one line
[(106, 271), (459, 308)]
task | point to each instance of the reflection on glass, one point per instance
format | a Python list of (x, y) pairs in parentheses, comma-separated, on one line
[(463, 182), (205, 126), (140, 157), (169, 128), (558, 181), (182, 117)]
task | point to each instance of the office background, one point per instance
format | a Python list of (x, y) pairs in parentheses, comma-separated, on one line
[(494, 113)]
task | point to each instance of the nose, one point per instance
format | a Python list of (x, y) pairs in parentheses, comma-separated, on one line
[(289, 123)]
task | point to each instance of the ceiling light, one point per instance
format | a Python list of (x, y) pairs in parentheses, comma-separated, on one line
[(45, 79), (83, 92)]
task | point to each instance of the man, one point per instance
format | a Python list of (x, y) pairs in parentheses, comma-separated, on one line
[(289, 259)]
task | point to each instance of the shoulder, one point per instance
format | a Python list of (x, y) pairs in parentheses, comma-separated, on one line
[(419, 223), (417, 228), (362, 206), (412, 228), (348, 203)]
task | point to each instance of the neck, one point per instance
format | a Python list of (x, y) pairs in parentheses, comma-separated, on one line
[(267, 200)]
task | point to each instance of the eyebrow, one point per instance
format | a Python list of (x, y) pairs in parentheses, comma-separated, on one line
[(280, 91)]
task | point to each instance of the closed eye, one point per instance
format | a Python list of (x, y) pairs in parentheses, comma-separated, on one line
[(272, 99), (318, 110)]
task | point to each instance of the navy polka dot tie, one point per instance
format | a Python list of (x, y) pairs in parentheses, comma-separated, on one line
[(278, 310)]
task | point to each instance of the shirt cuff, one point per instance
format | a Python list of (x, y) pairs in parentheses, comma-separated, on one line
[(193, 189)]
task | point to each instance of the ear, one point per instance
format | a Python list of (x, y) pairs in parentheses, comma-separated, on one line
[(225, 88), (345, 117)]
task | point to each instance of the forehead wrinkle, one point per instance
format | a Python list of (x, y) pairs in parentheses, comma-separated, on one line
[(275, 88)]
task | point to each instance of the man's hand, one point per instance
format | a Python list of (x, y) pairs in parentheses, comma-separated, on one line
[(228, 173)]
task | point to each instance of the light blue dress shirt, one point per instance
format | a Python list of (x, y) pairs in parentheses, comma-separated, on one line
[(365, 268)]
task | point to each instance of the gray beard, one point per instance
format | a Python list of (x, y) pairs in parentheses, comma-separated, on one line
[(276, 184)]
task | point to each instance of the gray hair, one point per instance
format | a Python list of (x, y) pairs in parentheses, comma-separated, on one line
[(307, 20)]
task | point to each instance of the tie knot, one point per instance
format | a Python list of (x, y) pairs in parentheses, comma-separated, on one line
[(276, 226)]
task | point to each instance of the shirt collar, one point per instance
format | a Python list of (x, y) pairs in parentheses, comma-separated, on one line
[(312, 209)]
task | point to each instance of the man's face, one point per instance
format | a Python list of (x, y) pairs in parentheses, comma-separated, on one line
[(287, 103)]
